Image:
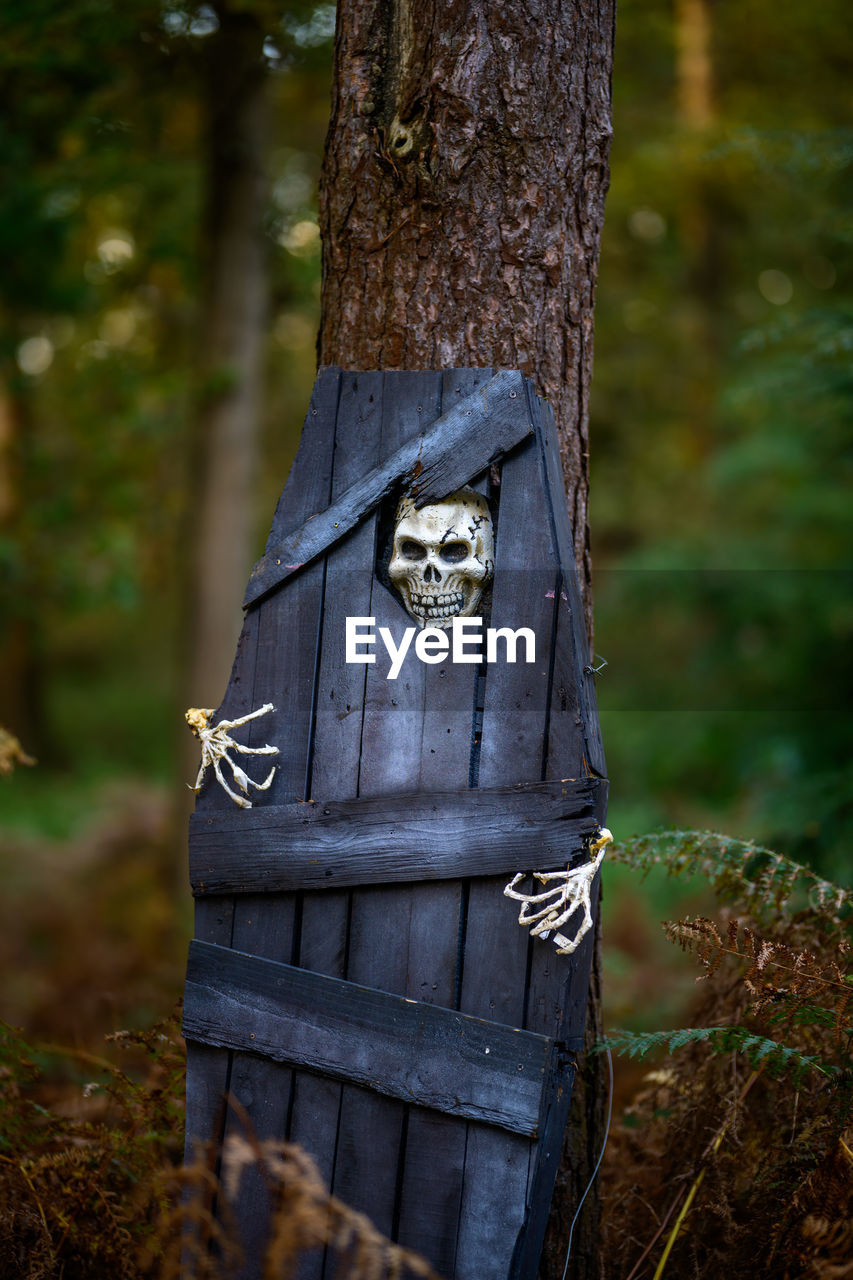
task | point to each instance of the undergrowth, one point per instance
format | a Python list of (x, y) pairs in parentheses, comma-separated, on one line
[(736, 1156), (82, 1184), (97, 1191), (734, 1159)]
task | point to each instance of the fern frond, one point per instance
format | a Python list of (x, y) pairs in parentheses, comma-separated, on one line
[(774, 972), (776, 1058), (762, 881)]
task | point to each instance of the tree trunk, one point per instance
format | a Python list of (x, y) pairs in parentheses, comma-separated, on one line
[(698, 224), (461, 210), (463, 193), (693, 63), (231, 340)]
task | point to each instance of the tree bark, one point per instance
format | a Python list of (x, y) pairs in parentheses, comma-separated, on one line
[(461, 209), (462, 196)]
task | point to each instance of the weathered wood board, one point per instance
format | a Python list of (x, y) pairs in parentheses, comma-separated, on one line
[(378, 839), (359, 982)]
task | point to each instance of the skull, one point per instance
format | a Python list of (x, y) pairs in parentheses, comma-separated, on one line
[(443, 557)]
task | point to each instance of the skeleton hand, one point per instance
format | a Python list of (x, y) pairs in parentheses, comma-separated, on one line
[(216, 743), (548, 911)]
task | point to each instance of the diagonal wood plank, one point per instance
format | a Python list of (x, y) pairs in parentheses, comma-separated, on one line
[(459, 445), (403, 1048)]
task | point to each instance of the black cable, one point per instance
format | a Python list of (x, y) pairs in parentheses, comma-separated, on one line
[(597, 1165)]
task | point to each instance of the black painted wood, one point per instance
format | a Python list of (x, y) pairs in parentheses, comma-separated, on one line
[(553, 979), (428, 1213), (211, 1073), (514, 721), (374, 840), (469, 1195), (208, 1070), (417, 1052), (462, 443), (557, 1097), (339, 704), (289, 627), (373, 1130), (576, 686), (558, 986)]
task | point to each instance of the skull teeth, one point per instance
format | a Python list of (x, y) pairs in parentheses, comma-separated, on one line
[(438, 606)]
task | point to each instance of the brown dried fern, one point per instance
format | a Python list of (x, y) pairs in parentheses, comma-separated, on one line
[(775, 973), (819, 1242), (304, 1216)]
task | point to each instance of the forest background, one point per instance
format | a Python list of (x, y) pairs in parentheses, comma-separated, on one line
[(721, 507)]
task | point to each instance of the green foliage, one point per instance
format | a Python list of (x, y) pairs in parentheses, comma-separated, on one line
[(103, 168), (763, 882), (778, 1059), (720, 435)]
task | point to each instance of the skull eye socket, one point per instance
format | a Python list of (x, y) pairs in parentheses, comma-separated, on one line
[(454, 552), (411, 550)]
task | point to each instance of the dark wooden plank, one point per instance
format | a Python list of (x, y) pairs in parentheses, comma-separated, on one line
[(406, 1049), (472, 394), (514, 726), (558, 1096), (285, 672), (515, 714), (432, 1176), (208, 1069), (558, 985), (492, 1214), (426, 1208), (512, 750), (552, 978), (434, 836), (349, 580), (572, 646), (315, 1110), (373, 1129), (460, 445)]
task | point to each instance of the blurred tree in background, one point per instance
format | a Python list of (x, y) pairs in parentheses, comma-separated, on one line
[(721, 434), (115, 225), (721, 407)]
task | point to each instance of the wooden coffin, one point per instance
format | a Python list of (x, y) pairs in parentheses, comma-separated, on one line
[(358, 981)]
